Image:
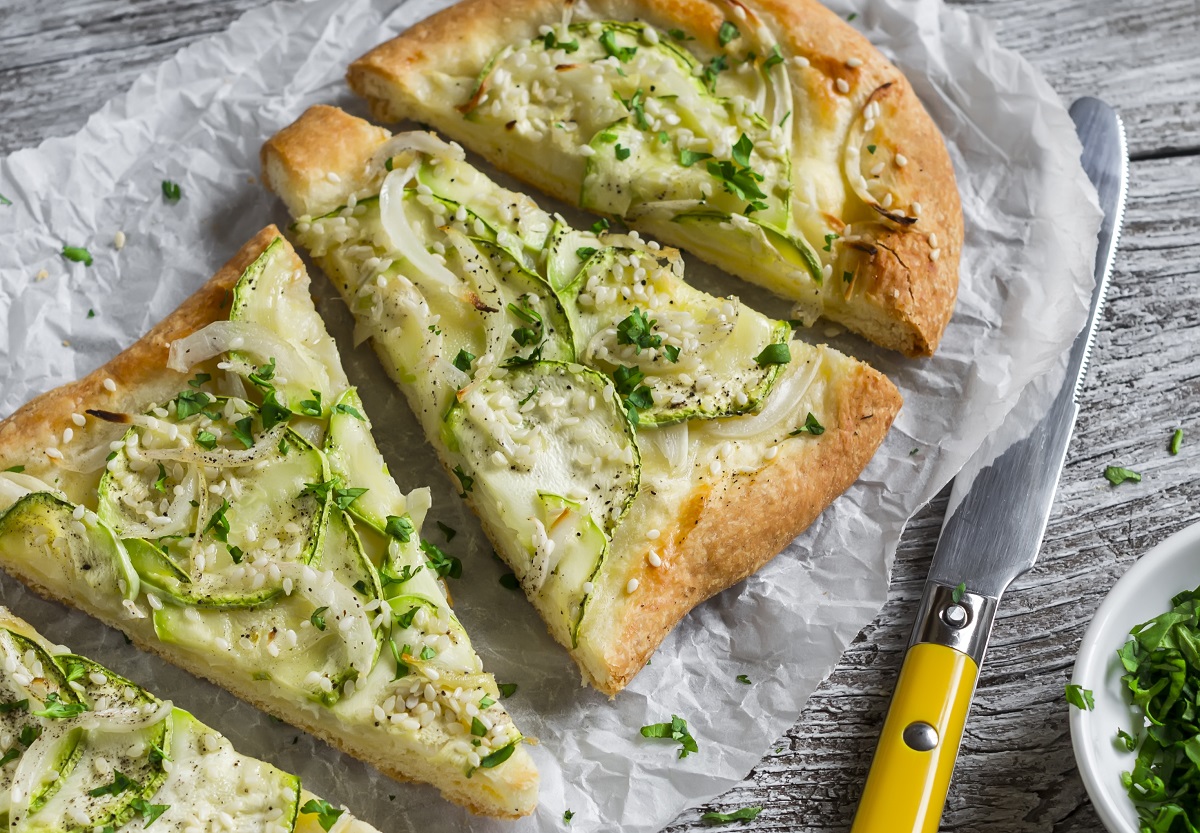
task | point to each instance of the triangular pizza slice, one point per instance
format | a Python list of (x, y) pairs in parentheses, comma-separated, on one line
[(215, 492), (631, 444)]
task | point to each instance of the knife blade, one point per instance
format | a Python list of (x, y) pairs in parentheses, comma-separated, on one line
[(990, 536)]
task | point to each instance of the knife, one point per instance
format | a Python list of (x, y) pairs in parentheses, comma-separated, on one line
[(991, 535)]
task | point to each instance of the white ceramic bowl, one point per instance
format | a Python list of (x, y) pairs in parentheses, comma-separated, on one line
[(1142, 593)]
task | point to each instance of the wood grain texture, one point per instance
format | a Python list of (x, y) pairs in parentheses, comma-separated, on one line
[(60, 61)]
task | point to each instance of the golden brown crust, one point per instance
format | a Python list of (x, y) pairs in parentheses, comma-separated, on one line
[(748, 519), (142, 379), (908, 294), (723, 531)]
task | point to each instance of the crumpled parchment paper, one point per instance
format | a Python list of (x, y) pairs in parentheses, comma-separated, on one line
[(200, 118)]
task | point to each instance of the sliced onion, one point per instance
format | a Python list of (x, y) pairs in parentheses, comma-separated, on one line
[(484, 279), (672, 442), (419, 141), (782, 405), (122, 719), (403, 238), (14, 486), (226, 458), (34, 763), (178, 512), (225, 336)]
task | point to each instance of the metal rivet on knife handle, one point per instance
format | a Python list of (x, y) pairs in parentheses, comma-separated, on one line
[(920, 736)]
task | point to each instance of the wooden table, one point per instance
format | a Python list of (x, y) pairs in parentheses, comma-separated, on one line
[(59, 61)]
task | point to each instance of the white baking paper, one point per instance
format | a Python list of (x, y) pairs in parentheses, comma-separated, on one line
[(200, 118)]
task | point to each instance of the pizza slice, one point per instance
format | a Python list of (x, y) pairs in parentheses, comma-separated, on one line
[(767, 137), (631, 444), (215, 492), (86, 749)]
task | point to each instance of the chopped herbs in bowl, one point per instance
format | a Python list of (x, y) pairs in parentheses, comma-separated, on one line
[(1134, 697)]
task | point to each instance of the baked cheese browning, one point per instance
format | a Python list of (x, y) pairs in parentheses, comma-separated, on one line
[(593, 425), (768, 138), (86, 749), (242, 523)]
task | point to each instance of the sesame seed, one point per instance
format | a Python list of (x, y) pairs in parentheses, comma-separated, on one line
[(901, 160), (119, 240), (654, 559), (78, 419), (652, 534), (800, 61), (935, 254), (54, 453), (854, 63), (933, 243), (67, 435), (843, 86), (110, 385), (587, 588), (916, 209), (332, 177), (631, 586)]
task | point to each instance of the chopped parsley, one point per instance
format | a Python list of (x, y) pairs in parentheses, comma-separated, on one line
[(119, 784), (235, 553), (398, 654), (218, 523), (777, 353), (14, 706), (1117, 475), (551, 41), (349, 410), (447, 531), (850, 17), (91, 313), (509, 581), (1176, 441), (737, 177), (150, 812), (609, 41), (486, 701), (727, 33), (446, 566), (29, 734), (636, 104), (171, 190), (870, 148), (714, 68), (466, 481), (77, 254), (829, 238), (405, 619), (687, 158), (622, 153), (5, 200), (959, 592), (743, 679), (327, 815), (506, 689), (585, 252), (847, 277), (157, 754), (671, 352), (318, 618), (400, 527), (428, 653), (160, 485), (810, 426), (600, 225), (312, 407), (636, 329), (242, 431), (635, 395), (1080, 697), (567, 816), (463, 360), (10, 756), (740, 814), (679, 34), (676, 730), (342, 497), (206, 440), (499, 756), (773, 60), (199, 379), (15, 469), (191, 402), (388, 576)]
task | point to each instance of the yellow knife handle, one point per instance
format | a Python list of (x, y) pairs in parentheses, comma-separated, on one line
[(910, 774)]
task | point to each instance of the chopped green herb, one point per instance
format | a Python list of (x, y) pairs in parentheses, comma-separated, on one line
[(191, 402), (741, 182), (235, 553), (585, 252), (15, 469), (447, 531), (477, 727), (171, 191), (687, 158), (810, 426), (637, 108), (10, 756), (663, 137), (671, 352), (150, 812), (743, 679), (218, 523), (28, 735), (957, 595), (91, 313), (1176, 441), (349, 410), (398, 654), (463, 360), (777, 353), (786, 116), (677, 730), (466, 481), (428, 653), (507, 689), (388, 163), (1117, 475), (637, 396), (78, 254), (446, 566), (609, 41), (727, 33), (636, 329), (486, 701), (242, 431), (1127, 741), (499, 756), (870, 148), (327, 815), (1080, 697), (312, 407), (206, 440), (160, 485), (829, 238), (679, 34), (847, 277), (741, 814), (318, 618), (551, 41), (405, 619), (510, 581), (850, 17), (774, 59), (5, 200), (567, 816), (600, 225), (14, 706), (400, 527), (199, 379), (714, 68), (119, 784), (622, 153), (344, 497)]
